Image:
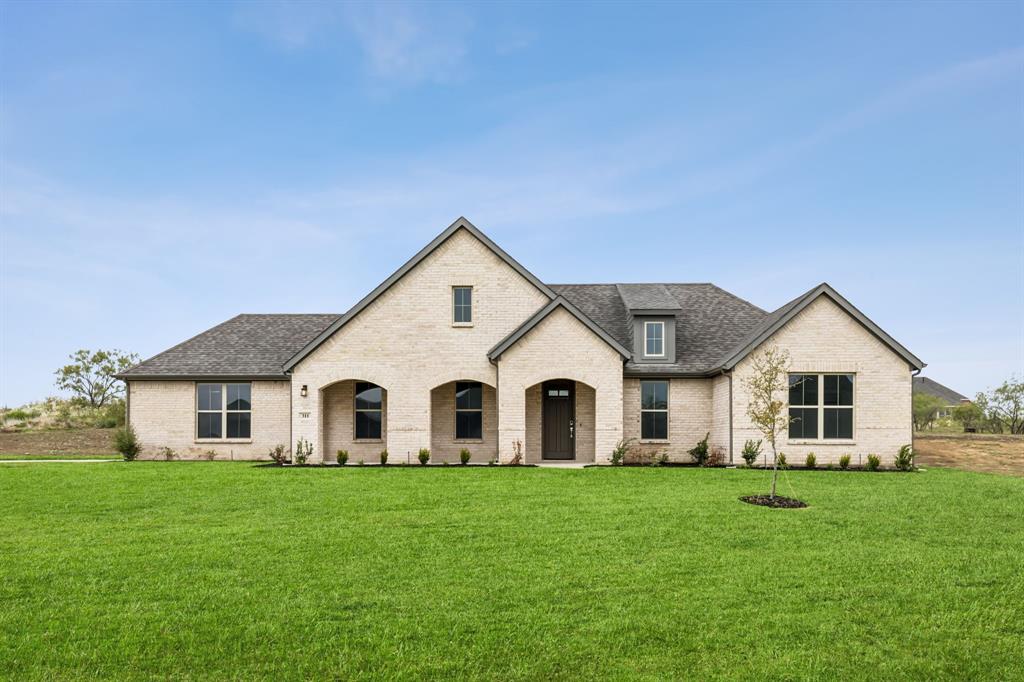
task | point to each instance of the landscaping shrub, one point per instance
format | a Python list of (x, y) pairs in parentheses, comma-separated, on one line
[(342, 457), (424, 456), (464, 456), (905, 458), (660, 457), (360, 462), (383, 456), (874, 461), (278, 454), (127, 443), (303, 449), (844, 462), (622, 448), (210, 455), (716, 457), (781, 458), (517, 453), (751, 451), (811, 460), (166, 453), (700, 451)]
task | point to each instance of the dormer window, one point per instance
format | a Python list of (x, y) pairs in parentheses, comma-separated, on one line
[(654, 339), (462, 306)]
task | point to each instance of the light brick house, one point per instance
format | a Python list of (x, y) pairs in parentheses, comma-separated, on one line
[(462, 347)]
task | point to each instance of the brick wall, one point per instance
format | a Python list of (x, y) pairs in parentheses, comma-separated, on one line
[(824, 338), (689, 419), (443, 446), (164, 415), (339, 426)]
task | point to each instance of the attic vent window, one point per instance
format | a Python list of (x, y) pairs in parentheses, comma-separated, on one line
[(654, 339)]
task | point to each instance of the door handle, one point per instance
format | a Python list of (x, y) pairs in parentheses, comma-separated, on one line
[(572, 428)]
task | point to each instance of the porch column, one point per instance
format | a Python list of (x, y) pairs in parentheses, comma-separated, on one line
[(608, 419), (306, 418), (408, 422), (511, 419)]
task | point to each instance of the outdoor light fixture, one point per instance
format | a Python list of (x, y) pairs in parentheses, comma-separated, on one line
[(303, 391)]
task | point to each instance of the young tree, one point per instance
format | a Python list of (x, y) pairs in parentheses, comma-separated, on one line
[(766, 384), (90, 376), (1006, 405), (970, 415), (924, 408)]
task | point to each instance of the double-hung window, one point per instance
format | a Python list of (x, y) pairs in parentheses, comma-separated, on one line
[(369, 411), (821, 406), (462, 305), (654, 410), (654, 339), (469, 410), (223, 411)]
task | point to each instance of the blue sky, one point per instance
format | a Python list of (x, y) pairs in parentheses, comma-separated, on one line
[(164, 167)]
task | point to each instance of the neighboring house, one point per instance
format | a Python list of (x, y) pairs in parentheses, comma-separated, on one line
[(463, 347), (933, 388)]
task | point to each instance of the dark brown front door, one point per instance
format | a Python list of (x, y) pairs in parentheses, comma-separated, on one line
[(558, 427)]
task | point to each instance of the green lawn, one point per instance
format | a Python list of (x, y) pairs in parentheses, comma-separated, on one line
[(213, 570)]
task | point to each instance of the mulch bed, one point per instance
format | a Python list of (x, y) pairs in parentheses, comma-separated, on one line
[(778, 502)]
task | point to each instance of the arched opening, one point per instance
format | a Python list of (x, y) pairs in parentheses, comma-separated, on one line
[(560, 416), (354, 419), (463, 415)]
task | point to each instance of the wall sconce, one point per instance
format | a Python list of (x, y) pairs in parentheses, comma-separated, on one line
[(303, 391)]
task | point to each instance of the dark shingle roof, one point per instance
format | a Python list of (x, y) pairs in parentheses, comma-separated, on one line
[(932, 387), (709, 322), (246, 345), (647, 297)]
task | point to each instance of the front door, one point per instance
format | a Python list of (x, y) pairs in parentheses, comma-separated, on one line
[(558, 423)]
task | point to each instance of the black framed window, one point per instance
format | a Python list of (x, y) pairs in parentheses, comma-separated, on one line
[(369, 411), (462, 305), (821, 406), (469, 410), (654, 410), (223, 411)]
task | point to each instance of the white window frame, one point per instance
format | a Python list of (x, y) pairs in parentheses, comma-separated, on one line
[(646, 337), (223, 411), (667, 410), (455, 322), (821, 407)]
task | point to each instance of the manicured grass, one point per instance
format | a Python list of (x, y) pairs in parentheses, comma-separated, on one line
[(214, 570), (14, 456)]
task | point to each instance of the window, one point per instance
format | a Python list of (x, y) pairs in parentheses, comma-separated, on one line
[(654, 410), (369, 411), (223, 411), (462, 305), (654, 339), (821, 403), (469, 410)]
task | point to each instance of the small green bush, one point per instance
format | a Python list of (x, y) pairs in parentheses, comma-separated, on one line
[(844, 462), (700, 451), (303, 450), (167, 453), (127, 443), (342, 457), (360, 462), (811, 460), (210, 455), (905, 458), (781, 458), (20, 415), (464, 456), (424, 456), (661, 457), (383, 456), (874, 461), (620, 451), (751, 451)]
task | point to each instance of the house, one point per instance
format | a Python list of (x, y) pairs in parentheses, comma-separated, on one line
[(463, 347), (933, 388)]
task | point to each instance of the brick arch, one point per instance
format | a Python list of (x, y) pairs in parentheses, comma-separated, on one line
[(584, 415), (337, 422), (443, 443)]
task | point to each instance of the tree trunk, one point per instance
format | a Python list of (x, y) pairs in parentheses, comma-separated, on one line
[(775, 470)]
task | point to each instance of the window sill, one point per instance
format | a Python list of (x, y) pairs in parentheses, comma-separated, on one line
[(469, 441), (367, 440), (462, 324), (206, 441), (655, 441), (821, 441)]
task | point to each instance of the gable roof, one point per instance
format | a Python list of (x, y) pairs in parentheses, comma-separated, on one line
[(538, 317), (246, 346), (777, 319), (932, 387), (460, 224)]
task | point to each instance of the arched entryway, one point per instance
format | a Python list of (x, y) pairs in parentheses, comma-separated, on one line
[(560, 416), (463, 415), (354, 419)]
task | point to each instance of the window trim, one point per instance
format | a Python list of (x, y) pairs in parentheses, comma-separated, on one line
[(455, 322), (455, 415), (667, 410), (820, 408), (660, 323), (223, 411), (356, 410)]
